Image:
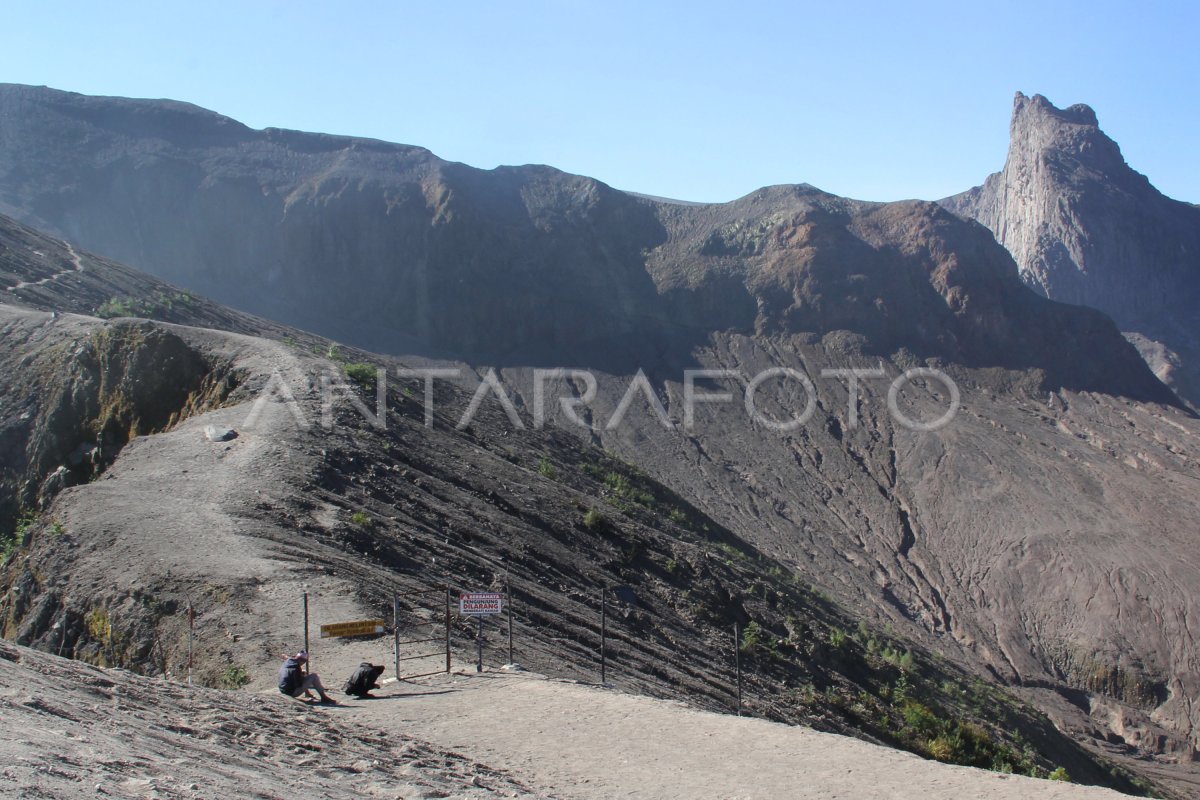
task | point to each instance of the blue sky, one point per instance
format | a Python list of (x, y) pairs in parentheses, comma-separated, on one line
[(698, 100)]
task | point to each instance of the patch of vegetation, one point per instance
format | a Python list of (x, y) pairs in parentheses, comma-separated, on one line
[(361, 373), (752, 636), (235, 676), (837, 637), (99, 626), (593, 519), (11, 541), (547, 470), (901, 660), (153, 307), (1059, 774), (623, 487), (361, 519)]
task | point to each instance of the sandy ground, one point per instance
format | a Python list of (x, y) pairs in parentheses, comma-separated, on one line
[(72, 731), (586, 742)]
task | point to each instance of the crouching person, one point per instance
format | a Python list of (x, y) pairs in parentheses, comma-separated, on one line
[(363, 680), (294, 683)]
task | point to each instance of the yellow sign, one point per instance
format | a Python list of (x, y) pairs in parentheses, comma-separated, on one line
[(364, 627)]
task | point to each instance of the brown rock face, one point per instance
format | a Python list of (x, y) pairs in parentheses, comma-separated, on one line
[(1087, 229)]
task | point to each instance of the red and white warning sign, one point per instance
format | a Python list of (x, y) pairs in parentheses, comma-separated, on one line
[(480, 604)]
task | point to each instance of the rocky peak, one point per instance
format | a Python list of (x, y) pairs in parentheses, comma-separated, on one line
[(1065, 141), (1087, 229)]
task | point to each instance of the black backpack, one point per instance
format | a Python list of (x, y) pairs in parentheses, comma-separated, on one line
[(363, 679)]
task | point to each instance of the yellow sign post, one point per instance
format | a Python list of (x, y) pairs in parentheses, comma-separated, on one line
[(365, 627)]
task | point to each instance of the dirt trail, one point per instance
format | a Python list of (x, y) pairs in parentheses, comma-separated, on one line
[(590, 743), (74, 256), (75, 731)]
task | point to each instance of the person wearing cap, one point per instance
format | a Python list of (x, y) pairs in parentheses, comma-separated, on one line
[(295, 683)]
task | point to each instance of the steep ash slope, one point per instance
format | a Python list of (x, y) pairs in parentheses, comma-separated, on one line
[(240, 528), (1087, 229)]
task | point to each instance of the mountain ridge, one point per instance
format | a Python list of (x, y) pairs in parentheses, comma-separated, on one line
[(1014, 542)]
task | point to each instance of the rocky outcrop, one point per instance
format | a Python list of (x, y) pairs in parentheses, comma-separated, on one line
[(66, 411), (1087, 229)]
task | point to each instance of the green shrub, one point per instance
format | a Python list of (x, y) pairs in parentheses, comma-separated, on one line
[(618, 483), (837, 637), (593, 519), (1059, 774), (942, 748), (11, 541), (901, 660), (752, 636), (361, 373), (148, 307), (99, 626), (920, 718), (235, 676), (547, 470), (361, 519)]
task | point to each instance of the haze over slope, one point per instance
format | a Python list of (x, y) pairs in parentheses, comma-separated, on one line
[(1087, 229), (1015, 541)]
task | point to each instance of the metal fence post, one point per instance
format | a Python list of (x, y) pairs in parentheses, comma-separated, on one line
[(447, 630), (191, 638), (603, 634), (479, 645), (307, 661), (508, 602), (737, 659), (396, 630)]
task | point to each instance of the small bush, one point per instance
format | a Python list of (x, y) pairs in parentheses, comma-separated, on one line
[(11, 541), (618, 483), (361, 519), (1059, 774), (147, 307), (235, 676), (942, 748), (361, 373), (99, 626), (837, 637), (920, 718), (752, 636), (593, 519), (547, 470)]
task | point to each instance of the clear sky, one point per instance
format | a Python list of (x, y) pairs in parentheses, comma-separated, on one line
[(696, 100)]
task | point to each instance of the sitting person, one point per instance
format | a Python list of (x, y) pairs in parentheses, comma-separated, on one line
[(295, 683), (363, 680)]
